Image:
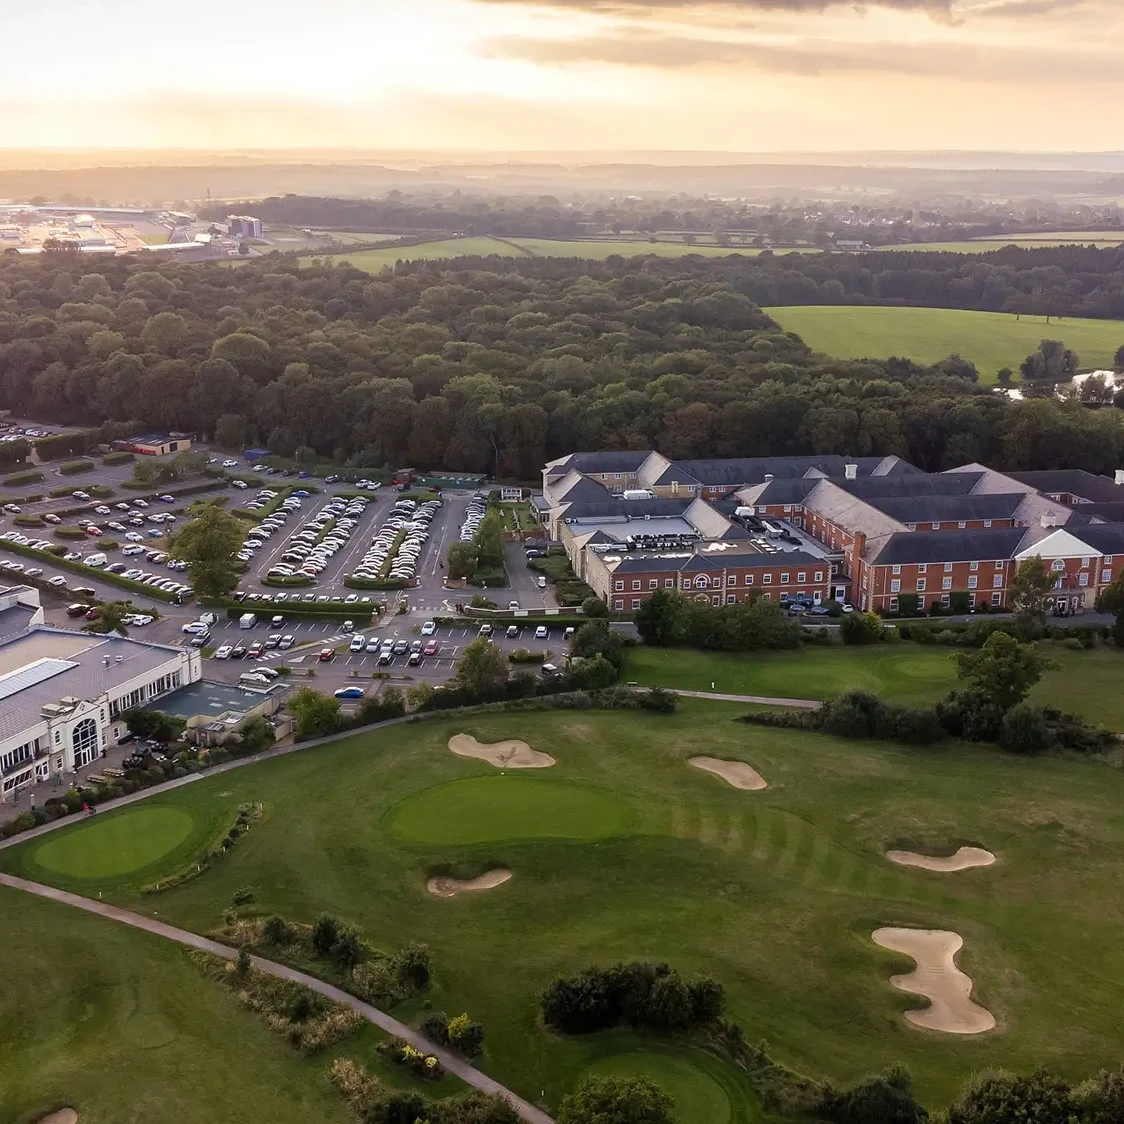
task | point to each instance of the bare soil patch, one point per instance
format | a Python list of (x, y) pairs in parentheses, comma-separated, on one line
[(451, 887), (61, 1116), (952, 1008), (965, 858), (504, 755), (735, 773)]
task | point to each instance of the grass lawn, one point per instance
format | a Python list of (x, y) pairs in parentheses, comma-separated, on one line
[(620, 851), (1086, 683), (596, 250), (374, 261), (986, 245), (123, 1027), (990, 339)]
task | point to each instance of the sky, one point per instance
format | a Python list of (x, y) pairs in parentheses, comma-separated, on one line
[(609, 75)]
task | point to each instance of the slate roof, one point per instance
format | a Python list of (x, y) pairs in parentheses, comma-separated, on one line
[(577, 487), (1075, 481), (908, 485), (696, 563), (909, 547), (613, 460), (753, 470), (1108, 538), (938, 509)]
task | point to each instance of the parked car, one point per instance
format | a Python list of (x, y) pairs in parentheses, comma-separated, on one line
[(223, 653), (350, 693), (327, 655), (431, 649), (429, 628)]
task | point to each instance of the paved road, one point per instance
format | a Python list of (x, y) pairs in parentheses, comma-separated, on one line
[(455, 1065), (795, 704)]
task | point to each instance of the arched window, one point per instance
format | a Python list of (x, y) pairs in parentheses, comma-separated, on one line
[(701, 582), (84, 742)]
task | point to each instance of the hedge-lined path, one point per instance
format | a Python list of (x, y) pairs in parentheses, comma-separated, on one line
[(455, 1065)]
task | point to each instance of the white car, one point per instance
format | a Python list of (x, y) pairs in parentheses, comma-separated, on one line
[(132, 536), (103, 510), (541, 632), (57, 582), (230, 464), (132, 548), (429, 628), (223, 653)]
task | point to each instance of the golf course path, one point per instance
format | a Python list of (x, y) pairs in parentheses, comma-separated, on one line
[(455, 1065), (765, 700)]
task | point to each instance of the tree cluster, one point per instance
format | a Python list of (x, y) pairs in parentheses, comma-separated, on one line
[(669, 618), (496, 365), (637, 994)]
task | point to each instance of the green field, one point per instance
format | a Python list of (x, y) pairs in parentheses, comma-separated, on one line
[(991, 340), (986, 245), (911, 674), (623, 851)]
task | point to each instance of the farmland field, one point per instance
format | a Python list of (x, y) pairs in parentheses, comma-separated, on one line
[(984, 245), (619, 851), (991, 340)]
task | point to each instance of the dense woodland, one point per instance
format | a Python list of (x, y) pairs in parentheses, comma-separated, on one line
[(496, 365)]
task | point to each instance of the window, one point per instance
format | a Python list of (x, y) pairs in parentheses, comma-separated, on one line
[(897, 569), (971, 600), (84, 742), (974, 567), (819, 575), (802, 576), (997, 581), (961, 524), (946, 583), (972, 582), (922, 568), (893, 604), (669, 583), (1058, 564), (766, 579), (636, 602), (731, 598), (635, 584), (921, 584), (895, 585), (1085, 562), (935, 526), (788, 507), (997, 598), (58, 736), (618, 585), (945, 599), (1083, 579), (616, 475), (987, 522), (785, 576), (749, 579), (701, 582), (1106, 576), (948, 567), (618, 604), (998, 563), (653, 583)]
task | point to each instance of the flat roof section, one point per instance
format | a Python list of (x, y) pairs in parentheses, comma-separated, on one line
[(214, 700), (39, 645)]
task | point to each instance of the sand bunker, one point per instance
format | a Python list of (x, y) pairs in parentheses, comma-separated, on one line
[(965, 859), (451, 887), (736, 773), (937, 978), (62, 1116), (504, 755)]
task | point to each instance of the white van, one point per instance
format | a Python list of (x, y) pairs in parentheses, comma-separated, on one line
[(96, 560), (252, 679)]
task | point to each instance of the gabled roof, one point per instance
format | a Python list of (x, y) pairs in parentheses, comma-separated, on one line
[(788, 490), (614, 460), (845, 510), (904, 485), (911, 547), (940, 509), (699, 563), (1073, 481), (1108, 538), (1058, 544), (574, 487)]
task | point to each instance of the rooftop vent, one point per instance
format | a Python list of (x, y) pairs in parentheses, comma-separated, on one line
[(1120, 476), (1048, 519), (850, 471)]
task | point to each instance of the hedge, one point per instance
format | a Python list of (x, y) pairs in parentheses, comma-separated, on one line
[(102, 491), (72, 468), (70, 533), (361, 614), (282, 581), (467, 621), (18, 478), (118, 458), (375, 583), (28, 520), (91, 572)]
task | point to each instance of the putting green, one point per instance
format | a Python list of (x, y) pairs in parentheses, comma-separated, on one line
[(117, 844), (492, 809), (704, 1089)]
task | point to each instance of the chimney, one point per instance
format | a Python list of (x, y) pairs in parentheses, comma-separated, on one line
[(850, 471), (1120, 476), (769, 476), (1048, 520)]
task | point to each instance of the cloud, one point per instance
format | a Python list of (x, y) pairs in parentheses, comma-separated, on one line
[(818, 57), (942, 8)]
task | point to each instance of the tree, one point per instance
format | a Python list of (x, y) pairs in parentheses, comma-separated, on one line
[(882, 1099), (1003, 670), (489, 542), (1024, 730), (617, 1100), (861, 628), (1032, 584), (1118, 359), (1112, 601), (209, 544), (230, 431), (110, 614), (316, 714), (597, 638), (1102, 1097), (462, 560), (482, 668), (595, 608), (661, 620), (1051, 362), (1002, 1098)]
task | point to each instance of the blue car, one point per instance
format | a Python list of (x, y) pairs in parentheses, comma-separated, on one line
[(302, 493), (155, 534), (350, 693)]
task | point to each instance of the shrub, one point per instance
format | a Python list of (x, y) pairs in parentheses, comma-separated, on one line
[(412, 966), (73, 468), (659, 699), (276, 930), (1024, 730), (18, 478), (117, 458), (861, 628), (325, 933), (416, 1061), (25, 519), (102, 491), (243, 896)]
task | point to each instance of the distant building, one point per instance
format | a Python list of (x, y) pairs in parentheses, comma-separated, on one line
[(851, 244), (243, 226), (154, 445)]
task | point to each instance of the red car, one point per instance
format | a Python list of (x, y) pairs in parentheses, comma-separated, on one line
[(327, 654), (255, 650), (94, 531), (431, 649)]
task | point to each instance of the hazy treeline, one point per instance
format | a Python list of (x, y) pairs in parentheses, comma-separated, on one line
[(489, 366)]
